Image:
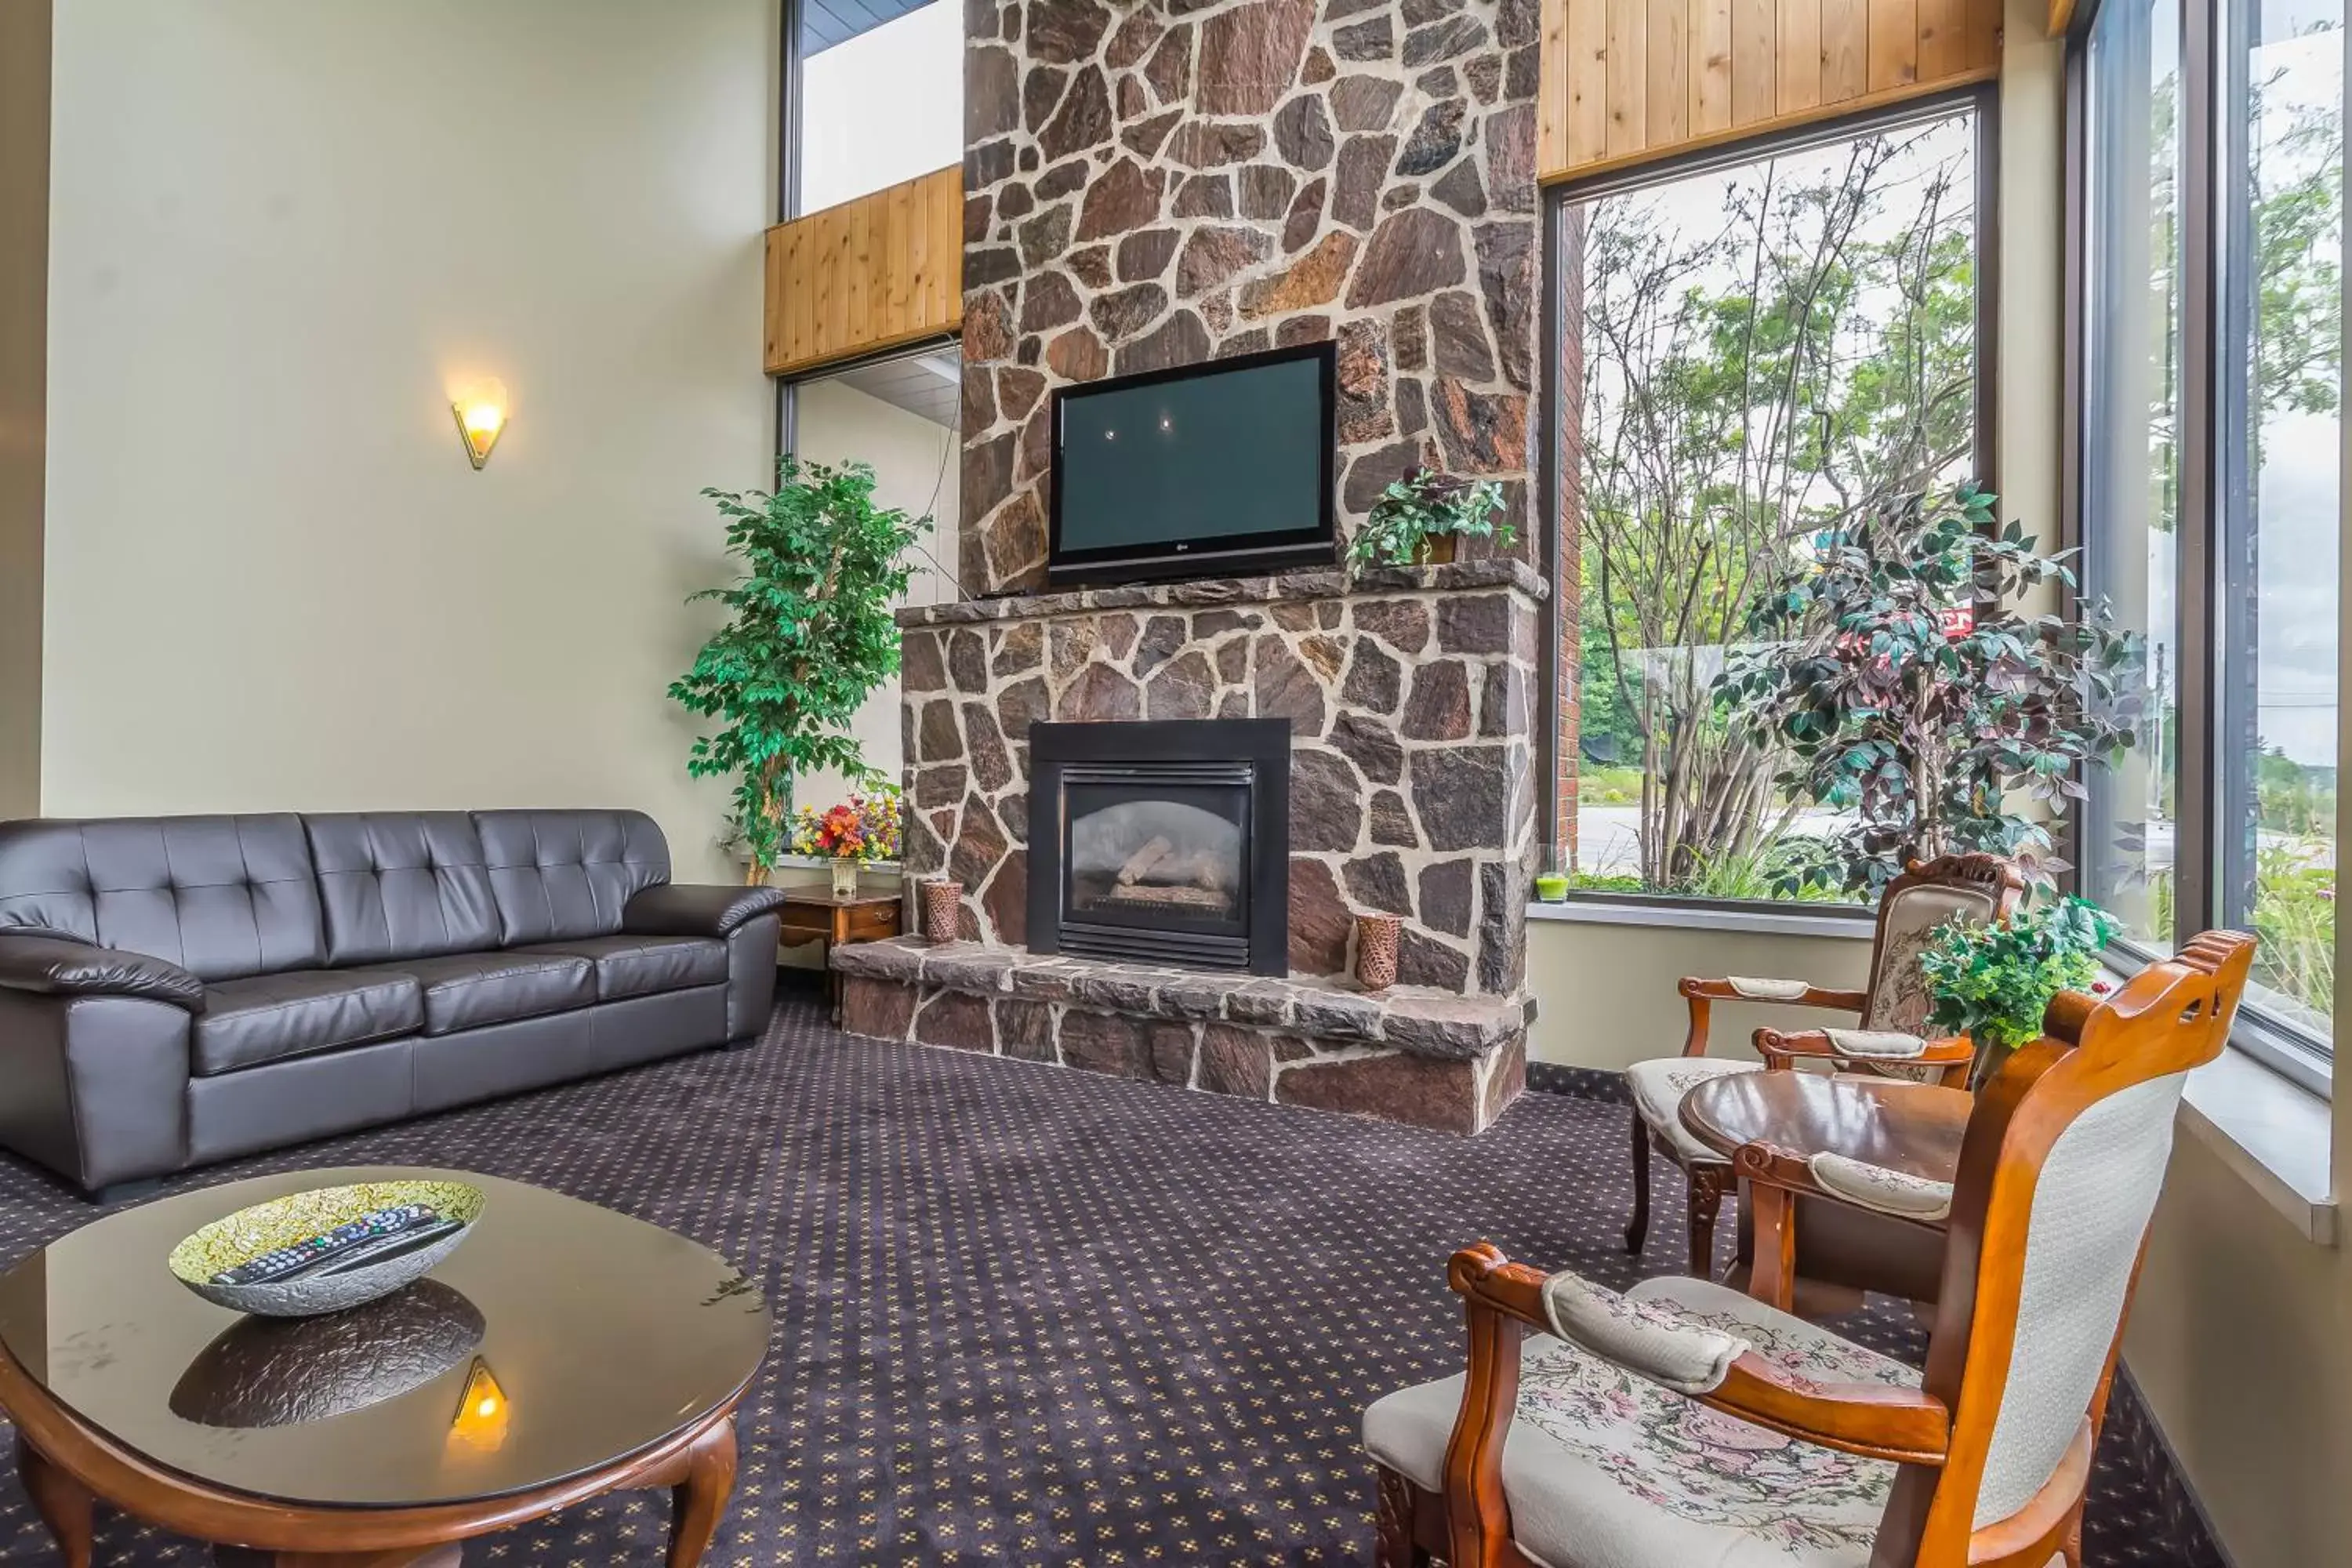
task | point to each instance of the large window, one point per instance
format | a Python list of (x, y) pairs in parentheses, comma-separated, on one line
[(2211, 469), (1749, 353), (880, 96)]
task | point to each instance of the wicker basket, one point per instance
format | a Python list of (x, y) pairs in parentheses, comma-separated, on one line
[(1377, 937), (942, 903)]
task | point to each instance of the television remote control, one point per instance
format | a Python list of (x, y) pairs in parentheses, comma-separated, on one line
[(383, 1249), (286, 1261)]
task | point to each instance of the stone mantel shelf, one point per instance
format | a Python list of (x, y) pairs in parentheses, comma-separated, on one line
[(1290, 587), (1421, 1020)]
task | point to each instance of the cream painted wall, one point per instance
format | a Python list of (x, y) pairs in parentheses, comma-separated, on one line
[(1606, 993), (2030, 271), (914, 470), (2241, 1341), (23, 325), (283, 231)]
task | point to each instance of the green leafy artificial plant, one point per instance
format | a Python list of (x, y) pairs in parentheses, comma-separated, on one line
[(1937, 737), (1992, 983), (1423, 505), (809, 637)]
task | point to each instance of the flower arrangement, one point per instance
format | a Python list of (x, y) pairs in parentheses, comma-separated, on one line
[(863, 828), (1992, 983)]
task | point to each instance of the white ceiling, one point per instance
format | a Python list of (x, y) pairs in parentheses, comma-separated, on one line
[(927, 385)]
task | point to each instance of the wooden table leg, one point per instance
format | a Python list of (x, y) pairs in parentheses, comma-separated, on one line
[(698, 1503), (1772, 1221), (64, 1505)]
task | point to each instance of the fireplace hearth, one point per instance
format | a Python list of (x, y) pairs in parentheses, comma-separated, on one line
[(1162, 842)]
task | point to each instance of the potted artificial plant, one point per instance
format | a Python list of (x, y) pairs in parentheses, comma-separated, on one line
[(809, 637), (1992, 983), (1913, 696), (1417, 519)]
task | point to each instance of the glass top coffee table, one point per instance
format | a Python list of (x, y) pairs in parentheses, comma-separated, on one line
[(561, 1352)]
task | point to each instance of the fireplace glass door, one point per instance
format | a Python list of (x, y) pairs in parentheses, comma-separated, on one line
[(1162, 842), (1157, 848)]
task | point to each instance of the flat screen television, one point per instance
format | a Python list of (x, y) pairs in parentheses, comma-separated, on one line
[(1217, 467)]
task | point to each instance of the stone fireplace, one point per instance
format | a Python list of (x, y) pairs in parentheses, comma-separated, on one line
[(1161, 183), (1404, 702)]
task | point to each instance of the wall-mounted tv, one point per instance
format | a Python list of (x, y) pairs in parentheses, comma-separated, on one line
[(1217, 467)]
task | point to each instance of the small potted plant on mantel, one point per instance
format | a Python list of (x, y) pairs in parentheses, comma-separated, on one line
[(1417, 519), (1994, 983)]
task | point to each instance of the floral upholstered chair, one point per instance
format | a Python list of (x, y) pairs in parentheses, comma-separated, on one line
[(1892, 1012), (1683, 1424)]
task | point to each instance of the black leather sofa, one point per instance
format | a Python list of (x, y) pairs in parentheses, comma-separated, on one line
[(175, 990)]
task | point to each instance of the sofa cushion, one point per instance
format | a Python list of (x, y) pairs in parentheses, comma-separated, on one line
[(560, 875), (402, 884), (641, 965), (468, 990), (269, 1017), (222, 897)]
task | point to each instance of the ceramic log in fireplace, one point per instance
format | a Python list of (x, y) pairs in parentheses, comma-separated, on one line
[(1163, 843)]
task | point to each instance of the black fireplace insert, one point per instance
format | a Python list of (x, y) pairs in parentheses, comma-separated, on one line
[(1166, 842)]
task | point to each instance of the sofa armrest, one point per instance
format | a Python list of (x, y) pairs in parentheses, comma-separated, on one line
[(673, 910), (58, 966)]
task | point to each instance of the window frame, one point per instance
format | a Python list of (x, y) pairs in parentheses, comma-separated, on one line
[(2210, 35), (1982, 99)]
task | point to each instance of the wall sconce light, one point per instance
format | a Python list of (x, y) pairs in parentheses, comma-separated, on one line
[(481, 413), (480, 1422)]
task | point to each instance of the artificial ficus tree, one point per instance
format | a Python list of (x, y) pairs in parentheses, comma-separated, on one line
[(809, 637), (1939, 735)]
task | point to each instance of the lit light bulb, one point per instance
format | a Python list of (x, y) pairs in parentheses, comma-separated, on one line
[(481, 411)]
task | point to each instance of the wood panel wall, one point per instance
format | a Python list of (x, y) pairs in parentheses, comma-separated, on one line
[(884, 270), (1625, 81)]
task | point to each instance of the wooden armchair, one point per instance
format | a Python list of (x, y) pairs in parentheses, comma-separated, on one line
[(1893, 1010), (1683, 1422)]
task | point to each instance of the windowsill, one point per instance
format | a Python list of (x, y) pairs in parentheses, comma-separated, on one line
[(2274, 1134), (1758, 919)]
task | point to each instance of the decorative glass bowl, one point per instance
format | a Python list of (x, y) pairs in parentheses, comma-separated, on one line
[(283, 1222)]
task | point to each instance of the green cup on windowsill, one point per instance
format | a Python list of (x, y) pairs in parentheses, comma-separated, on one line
[(1551, 876)]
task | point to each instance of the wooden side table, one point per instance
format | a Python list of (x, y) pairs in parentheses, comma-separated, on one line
[(816, 914)]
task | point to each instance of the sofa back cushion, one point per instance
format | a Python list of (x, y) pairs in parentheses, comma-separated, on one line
[(560, 875), (402, 884), (222, 897)]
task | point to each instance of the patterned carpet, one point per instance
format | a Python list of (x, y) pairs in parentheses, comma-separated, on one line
[(1026, 1315)]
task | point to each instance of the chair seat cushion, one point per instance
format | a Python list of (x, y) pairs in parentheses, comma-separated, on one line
[(1658, 1087), (1606, 1469), (269, 1017), (641, 965), (468, 990)]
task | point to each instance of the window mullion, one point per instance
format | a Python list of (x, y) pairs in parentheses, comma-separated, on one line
[(2197, 782)]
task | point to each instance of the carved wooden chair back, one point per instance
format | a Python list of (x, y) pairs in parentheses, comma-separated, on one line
[(1982, 889), (2059, 1174)]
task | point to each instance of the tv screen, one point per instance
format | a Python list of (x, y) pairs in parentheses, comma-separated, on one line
[(1221, 467)]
